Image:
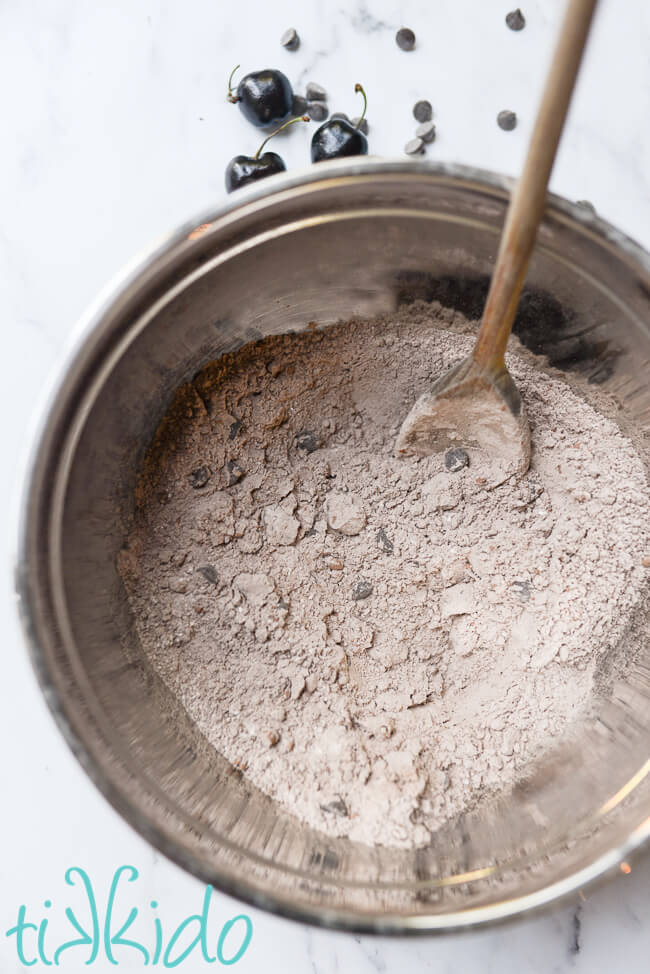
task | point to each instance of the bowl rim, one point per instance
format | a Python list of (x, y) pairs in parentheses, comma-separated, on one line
[(76, 347)]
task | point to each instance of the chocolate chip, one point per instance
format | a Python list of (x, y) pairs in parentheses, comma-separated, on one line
[(210, 573), (423, 111), (384, 542), (299, 105), (234, 429), (199, 477), (586, 205), (515, 20), (290, 39), (506, 120), (361, 589), (426, 131), (342, 116), (317, 111), (235, 472), (405, 39), (315, 92), (522, 590), (456, 459), (308, 441), (414, 147), (336, 807)]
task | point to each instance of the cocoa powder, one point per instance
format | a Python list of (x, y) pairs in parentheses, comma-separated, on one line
[(379, 642)]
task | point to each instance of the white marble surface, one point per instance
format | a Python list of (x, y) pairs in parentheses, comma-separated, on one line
[(115, 128)]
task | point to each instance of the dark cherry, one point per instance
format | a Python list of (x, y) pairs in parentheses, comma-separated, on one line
[(264, 97), (248, 169), (339, 137)]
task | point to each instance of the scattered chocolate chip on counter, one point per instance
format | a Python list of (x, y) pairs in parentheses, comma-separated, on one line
[(290, 39), (426, 131), (405, 39), (314, 92), (422, 111), (361, 124), (515, 20), (317, 111), (414, 147), (507, 120)]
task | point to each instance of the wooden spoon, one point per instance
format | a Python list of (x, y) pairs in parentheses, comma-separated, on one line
[(476, 405)]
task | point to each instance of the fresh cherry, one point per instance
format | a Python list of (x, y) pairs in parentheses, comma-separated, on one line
[(248, 169), (264, 97), (339, 137)]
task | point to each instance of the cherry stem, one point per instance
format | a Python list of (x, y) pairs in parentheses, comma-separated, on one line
[(292, 121), (358, 88), (233, 99)]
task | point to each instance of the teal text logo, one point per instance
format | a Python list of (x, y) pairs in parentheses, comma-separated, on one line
[(124, 934)]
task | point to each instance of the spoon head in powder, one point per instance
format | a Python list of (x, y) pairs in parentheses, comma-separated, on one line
[(477, 409)]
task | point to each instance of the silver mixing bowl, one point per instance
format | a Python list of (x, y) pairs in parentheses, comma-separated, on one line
[(342, 239)]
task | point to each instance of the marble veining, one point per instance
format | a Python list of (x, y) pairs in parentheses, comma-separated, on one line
[(115, 128)]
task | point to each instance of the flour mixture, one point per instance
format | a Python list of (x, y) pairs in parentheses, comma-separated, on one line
[(379, 643)]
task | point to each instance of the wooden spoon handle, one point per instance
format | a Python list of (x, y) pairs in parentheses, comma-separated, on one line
[(527, 203)]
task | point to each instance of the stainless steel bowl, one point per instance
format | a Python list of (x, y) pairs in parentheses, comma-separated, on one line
[(341, 239)]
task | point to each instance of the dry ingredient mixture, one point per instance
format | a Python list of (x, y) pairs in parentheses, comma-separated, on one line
[(378, 642)]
